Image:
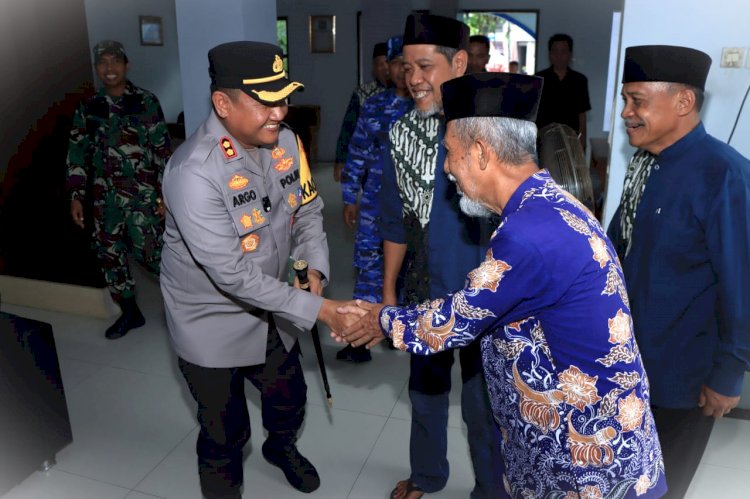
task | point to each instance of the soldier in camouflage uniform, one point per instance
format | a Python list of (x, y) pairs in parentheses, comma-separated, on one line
[(359, 96), (362, 173), (118, 147)]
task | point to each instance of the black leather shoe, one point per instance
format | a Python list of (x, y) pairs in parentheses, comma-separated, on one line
[(131, 318), (299, 472), (354, 354)]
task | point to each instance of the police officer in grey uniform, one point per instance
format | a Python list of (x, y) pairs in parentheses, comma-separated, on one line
[(240, 201)]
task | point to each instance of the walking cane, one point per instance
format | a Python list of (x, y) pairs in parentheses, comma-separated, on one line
[(300, 268)]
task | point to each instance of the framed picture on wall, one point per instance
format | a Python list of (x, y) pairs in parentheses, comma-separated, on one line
[(151, 30), (322, 34)]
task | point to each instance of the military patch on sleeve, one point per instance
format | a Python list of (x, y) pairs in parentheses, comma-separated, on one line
[(309, 190), (250, 243), (227, 148), (237, 182)]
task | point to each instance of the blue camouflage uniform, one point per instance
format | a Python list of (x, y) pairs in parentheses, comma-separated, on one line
[(363, 173), (359, 96)]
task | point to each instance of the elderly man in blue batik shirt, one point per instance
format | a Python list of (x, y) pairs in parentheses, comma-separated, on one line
[(548, 305), (683, 235)]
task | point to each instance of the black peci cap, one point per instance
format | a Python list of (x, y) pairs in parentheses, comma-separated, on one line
[(667, 63), (427, 29), (380, 49), (253, 67), (502, 95)]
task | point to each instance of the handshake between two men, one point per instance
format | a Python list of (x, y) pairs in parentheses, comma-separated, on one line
[(355, 322)]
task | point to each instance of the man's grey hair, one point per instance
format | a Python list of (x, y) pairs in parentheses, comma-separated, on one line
[(513, 141), (448, 52), (699, 95)]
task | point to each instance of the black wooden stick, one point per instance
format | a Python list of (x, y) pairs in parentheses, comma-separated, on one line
[(300, 267)]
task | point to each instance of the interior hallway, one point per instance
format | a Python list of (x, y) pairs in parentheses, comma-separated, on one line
[(134, 425)]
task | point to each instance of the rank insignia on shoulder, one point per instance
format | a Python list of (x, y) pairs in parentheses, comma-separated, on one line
[(277, 152), (250, 243), (238, 182), (246, 220), (283, 164), (292, 200), (227, 148), (258, 216)]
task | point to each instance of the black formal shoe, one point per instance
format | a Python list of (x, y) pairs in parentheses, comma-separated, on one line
[(131, 318), (299, 472), (354, 354)]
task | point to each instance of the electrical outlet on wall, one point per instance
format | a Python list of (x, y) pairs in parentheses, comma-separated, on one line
[(732, 57)]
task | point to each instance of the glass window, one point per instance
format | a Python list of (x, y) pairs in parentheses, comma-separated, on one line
[(282, 35), (512, 37)]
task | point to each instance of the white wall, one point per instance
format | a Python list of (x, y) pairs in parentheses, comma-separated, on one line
[(328, 78), (155, 68), (706, 26), (202, 26)]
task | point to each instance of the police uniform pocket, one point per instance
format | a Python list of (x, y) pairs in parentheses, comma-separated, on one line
[(245, 206), (249, 218), (249, 221)]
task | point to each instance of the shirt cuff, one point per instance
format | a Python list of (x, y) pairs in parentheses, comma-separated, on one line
[(727, 376)]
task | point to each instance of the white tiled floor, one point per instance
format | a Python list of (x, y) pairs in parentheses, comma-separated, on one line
[(134, 424)]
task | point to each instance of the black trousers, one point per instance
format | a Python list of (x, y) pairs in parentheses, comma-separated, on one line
[(223, 415), (683, 434)]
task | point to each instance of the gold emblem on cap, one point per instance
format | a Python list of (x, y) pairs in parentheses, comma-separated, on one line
[(269, 96), (278, 64)]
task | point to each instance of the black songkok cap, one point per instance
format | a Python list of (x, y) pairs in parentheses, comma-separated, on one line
[(256, 68), (426, 29), (502, 95), (666, 63), (380, 49)]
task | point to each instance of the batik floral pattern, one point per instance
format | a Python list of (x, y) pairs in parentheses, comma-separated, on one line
[(489, 273), (570, 398), (579, 388)]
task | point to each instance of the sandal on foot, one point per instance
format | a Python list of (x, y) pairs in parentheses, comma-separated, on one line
[(410, 487)]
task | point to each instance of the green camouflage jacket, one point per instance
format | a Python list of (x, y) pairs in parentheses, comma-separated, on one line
[(119, 142)]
